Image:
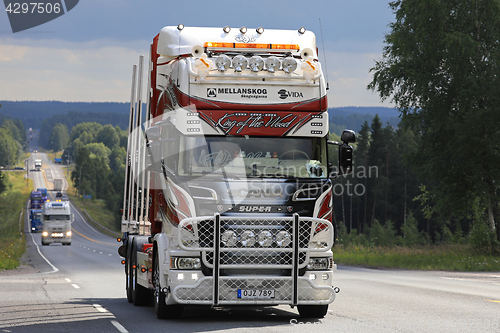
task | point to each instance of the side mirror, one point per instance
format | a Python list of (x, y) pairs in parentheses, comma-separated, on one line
[(345, 153), (348, 136)]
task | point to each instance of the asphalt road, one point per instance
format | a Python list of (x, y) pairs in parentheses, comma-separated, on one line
[(81, 288)]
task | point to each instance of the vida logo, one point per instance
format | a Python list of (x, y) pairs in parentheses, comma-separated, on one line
[(28, 14)]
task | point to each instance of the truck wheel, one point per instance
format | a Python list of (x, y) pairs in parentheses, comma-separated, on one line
[(140, 295), (162, 310), (312, 311)]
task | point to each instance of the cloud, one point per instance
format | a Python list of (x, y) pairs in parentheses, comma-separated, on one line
[(85, 72), (348, 76)]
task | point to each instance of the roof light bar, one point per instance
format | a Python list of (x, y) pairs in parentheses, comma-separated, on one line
[(222, 45)]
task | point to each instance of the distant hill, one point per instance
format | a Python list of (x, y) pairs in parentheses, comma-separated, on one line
[(33, 113), (353, 117)]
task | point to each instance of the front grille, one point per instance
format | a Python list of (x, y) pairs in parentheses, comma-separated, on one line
[(254, 242)]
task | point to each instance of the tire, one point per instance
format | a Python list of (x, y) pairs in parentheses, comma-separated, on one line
[(44, 244), (162, 310), (312, 311), (140, 295)]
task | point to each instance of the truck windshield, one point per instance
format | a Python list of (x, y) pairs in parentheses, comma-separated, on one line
[(57, 217), (263, 157)]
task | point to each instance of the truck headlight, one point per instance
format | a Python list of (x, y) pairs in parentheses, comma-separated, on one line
[(283, 239), (223, 62), (289, 65), (272, 64), (247, 238), (265, 238), (229, 238), (45, 234), (68, 234), (185, 263), (256, 64), (239, 63)]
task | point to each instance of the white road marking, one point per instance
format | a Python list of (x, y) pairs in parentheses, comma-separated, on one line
[(75, 286), (99, 308), (68, 280), (119, 326), (54, 268)]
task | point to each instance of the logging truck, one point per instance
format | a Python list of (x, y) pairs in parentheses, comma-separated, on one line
[(228, 186)]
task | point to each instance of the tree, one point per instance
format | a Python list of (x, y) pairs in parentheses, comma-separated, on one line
[(9, 148), (3, 182), (14, 130), (107, 135), (59, 137), (100, 150), (441, 67), (85, 131)]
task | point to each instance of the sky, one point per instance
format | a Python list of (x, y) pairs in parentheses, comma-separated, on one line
[(87, 54)]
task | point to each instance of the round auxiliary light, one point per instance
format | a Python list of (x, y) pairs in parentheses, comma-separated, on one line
[(256, 63), (239, 63), (247, 238), (260, 30), (226, 29), (283, 239), (289, 65), (302, 30), (272, 64), (229, 238), (243, 30), (265, 238), (223, 62), (180, 26)]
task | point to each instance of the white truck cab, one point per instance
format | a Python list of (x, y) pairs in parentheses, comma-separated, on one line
[(56, 223)]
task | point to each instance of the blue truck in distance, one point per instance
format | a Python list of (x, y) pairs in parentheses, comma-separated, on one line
[(36, 220), (44, 194), (36, 200)]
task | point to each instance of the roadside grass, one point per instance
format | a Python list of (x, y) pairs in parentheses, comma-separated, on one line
[(96, 209), (12, 202), (432, 257)]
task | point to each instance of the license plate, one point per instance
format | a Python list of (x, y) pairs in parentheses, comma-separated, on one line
[(255, 293)]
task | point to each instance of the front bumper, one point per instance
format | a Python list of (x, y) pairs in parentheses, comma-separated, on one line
[(308, 293)]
